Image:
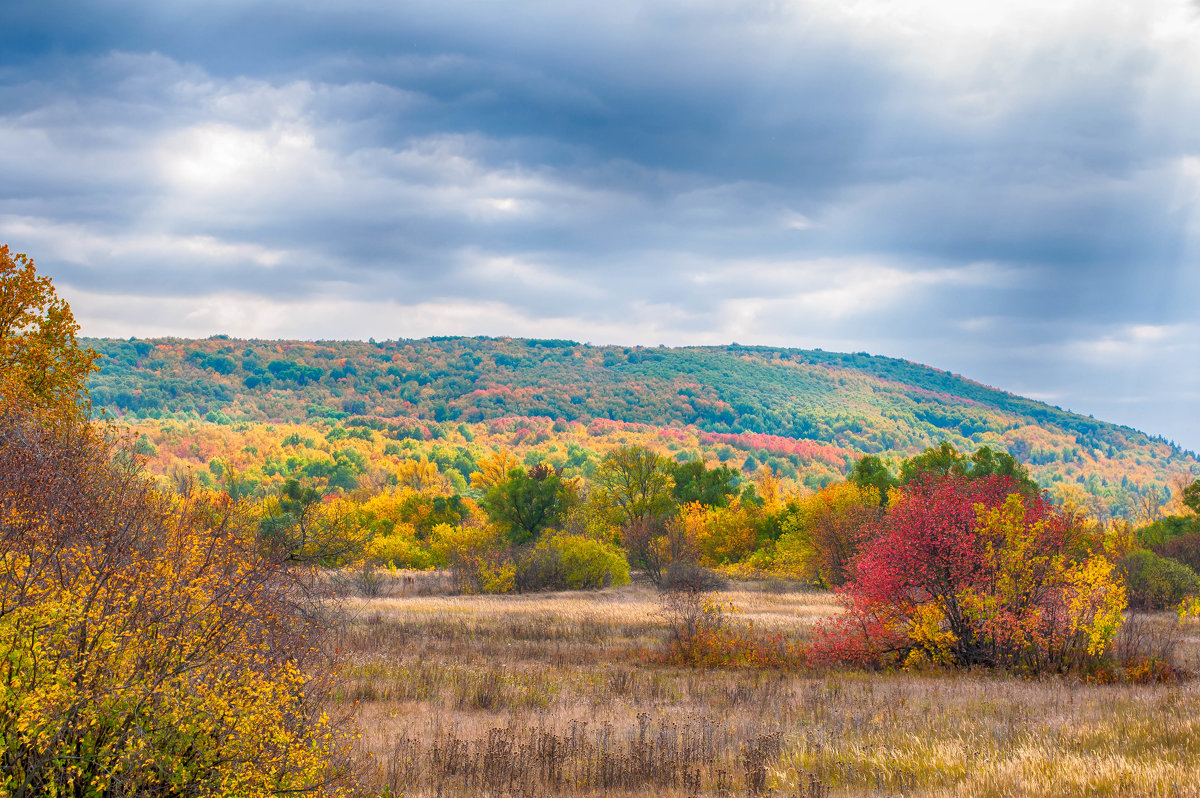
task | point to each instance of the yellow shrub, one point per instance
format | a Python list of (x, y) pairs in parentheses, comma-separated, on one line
[(147, 646)]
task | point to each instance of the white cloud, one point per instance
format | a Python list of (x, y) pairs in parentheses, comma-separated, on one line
[(53, 240), (1138, 345)]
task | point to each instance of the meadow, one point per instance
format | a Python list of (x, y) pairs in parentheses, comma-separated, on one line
[(563, 694)]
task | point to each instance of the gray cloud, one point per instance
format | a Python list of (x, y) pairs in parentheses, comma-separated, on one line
[(1008, 194)]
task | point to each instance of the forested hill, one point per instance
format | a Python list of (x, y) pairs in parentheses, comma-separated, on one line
[(855, 402)]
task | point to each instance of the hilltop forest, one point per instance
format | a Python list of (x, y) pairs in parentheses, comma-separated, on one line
[(807, 414)]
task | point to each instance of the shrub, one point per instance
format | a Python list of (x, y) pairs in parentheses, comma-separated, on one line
[(1157, 583), (399, 548), (148, 646), (1165, 530), (705, 633), (477, 557), (971, 572), (689, 577), (571, 562), (1184, 548), (1145, 648), (822, 533)]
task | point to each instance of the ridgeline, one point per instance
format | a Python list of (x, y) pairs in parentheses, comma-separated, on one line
[(753, 405)]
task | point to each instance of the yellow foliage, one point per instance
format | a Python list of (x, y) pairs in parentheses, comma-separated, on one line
[(148, 646), (493, 469), (1029, 584), (152, 672), (721, 535), (38, 352), (933, 641), (769, 489), (822, 532), (475, 556), (423, 476), (399, 548)]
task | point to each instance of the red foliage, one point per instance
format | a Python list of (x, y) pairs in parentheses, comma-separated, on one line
[(777, 444), (928, 545), (928, 550), (864, 636)]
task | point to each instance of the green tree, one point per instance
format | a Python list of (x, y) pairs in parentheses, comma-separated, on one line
[(695, 482), (302, 527), (945, 460), (1191, 496), (942, 460), (632, 484), (529, 501), (871, 472), (38, 350)]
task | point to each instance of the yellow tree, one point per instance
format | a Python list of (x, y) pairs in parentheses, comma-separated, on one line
[(146, 647), (422, 476), (38, 350), (493, 470), (823, 532)]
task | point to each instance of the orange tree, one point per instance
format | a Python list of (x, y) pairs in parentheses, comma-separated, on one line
[(38, 351)]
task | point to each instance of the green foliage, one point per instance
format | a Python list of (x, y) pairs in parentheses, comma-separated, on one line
[(695, 482), (810, 413), (1157, 583), (1183, 548), (572, 562), (529, 501), (1166, 529), (870, 472), (945, 460), (634, 483), (301, 527), (1191, 496)]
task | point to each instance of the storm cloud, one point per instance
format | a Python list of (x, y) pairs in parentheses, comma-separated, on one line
[(1008, 191)]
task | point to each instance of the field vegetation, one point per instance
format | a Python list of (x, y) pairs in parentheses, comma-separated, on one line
[(564, 694)]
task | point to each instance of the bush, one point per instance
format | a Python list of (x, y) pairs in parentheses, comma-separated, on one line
[(688, 577), (1165, 530), (1184, 548), (571, 562), (148, 646), (400, 549), (706, 633), (971, 572), (1157, 583), (823, 533), (478, 560)]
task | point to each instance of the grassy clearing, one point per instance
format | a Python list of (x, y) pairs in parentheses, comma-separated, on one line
[(551, 694)]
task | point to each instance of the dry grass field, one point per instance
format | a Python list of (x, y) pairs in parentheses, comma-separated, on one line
[(553, 694)]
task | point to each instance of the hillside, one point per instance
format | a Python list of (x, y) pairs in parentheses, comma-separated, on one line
[(768, 405)]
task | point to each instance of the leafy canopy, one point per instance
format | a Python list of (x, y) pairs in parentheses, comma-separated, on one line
[(38, 350), (634, 483), (529, 501), (1191, 496)]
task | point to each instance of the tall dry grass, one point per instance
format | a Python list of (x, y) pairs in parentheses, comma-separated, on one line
[(553, 694)]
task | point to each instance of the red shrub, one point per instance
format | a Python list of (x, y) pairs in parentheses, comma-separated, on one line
[(972, 572)]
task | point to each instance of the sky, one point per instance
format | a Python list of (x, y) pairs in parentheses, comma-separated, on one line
[(1007, 191)]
